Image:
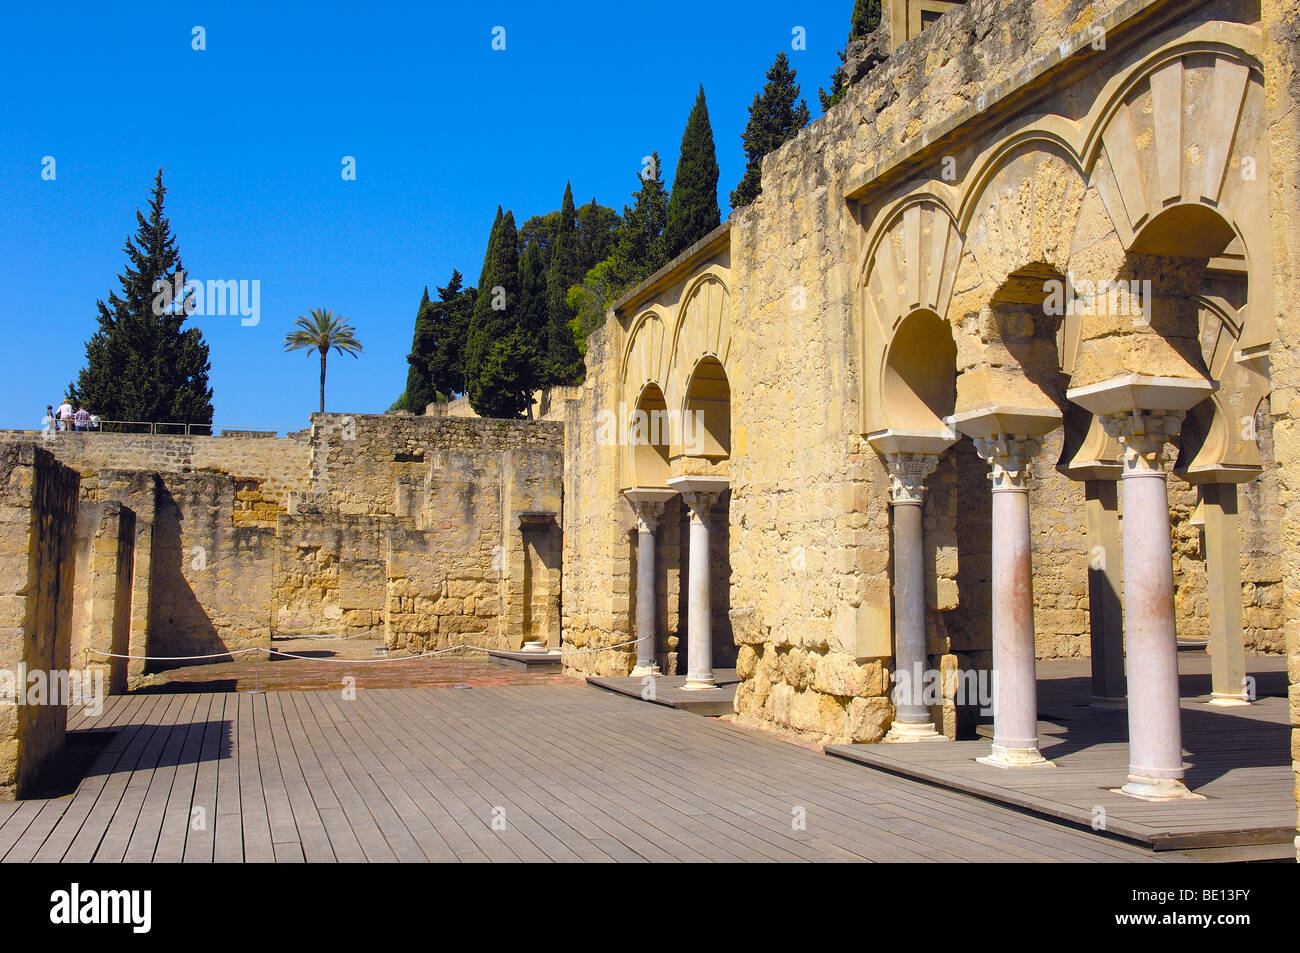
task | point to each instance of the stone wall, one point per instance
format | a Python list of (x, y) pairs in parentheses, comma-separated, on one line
[(101, 618), (1281, 58), (38, 499), (278, 464)]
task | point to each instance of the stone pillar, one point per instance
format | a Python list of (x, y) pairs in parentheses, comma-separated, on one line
[(648, 505), (1124, 405), (1105, 606), (911, 457), (1223, 576), (699, 493), (1155, 717)]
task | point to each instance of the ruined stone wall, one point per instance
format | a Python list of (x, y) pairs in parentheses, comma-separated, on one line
[(1282, 68), (277, 465), (38, 500), (101, 619), (412, 528), (599, 526)]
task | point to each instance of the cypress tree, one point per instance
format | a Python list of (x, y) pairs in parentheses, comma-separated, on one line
[(452, 313), (534, 300), (560, 360), (693, 206), (866, 20), (500, 359), (773, 120), (637, 252), (419, 389), (142, 363)]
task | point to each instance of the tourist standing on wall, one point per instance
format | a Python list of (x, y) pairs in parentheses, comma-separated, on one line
[(65, 415), (82, 419)]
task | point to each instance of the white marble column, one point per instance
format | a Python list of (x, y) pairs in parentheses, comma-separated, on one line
[(911, 457), (699, 494), (648, 506)]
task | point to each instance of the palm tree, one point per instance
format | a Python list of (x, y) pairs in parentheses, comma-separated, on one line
[(322, 332)]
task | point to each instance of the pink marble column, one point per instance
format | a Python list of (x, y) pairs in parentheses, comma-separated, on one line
[(1015, 685), (1156, 767)]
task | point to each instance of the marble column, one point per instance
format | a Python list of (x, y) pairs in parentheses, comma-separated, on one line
[(1008, 438), (699, 494), (648, 505), (1223, 572), (1155, 718), (911, 458), (1124, 404)]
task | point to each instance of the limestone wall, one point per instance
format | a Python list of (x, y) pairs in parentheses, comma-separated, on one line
[(101, 618), (279, 465), (38, 499), (1281, 59)]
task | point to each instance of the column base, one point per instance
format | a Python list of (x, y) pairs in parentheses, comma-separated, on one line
[(1228, 699), (699, 685), (1158, 789), (1109, 704), (1001, 757), (905, 733), (641, 671), (535, 645)]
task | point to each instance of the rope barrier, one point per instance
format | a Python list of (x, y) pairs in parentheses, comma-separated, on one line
[(343, 661)]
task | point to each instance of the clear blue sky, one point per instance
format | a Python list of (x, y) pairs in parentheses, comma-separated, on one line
[(251, 133)]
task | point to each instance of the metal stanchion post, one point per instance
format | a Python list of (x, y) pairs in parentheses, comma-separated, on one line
[(464, 650), (257, 690)]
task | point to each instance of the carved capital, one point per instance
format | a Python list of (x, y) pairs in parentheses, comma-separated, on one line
[(1009, 456), (907, 475), (1144, 436), (699, 501), (647, 515)]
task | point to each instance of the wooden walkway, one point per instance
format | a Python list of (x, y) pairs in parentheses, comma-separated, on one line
[(1239, 759), (667, 690), (494, 774)]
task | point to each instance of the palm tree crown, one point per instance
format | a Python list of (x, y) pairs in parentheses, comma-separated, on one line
[(323, 331)]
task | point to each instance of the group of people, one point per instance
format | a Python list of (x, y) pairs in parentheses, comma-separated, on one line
[(66, 419)]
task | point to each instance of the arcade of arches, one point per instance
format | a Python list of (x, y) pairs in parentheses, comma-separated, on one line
[(1000, 367)]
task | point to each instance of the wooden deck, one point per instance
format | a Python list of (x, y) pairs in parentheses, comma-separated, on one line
[(421, 774), (1238, 758), (668, 692)]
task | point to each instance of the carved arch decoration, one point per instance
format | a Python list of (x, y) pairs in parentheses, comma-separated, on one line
[(909, 267), (663, 352)]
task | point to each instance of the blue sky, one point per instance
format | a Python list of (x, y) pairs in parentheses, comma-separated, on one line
[(252, 131)]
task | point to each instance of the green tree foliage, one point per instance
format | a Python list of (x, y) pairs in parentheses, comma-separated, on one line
[(638, 251), (323, 331), (437, 358), (693, 206), (142, 363), (774, 120), (866, 19), (561, 362), (500, 358)]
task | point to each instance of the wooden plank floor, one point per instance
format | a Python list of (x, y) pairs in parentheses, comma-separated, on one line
[(668, 691), (494, 774), (1238, 759)]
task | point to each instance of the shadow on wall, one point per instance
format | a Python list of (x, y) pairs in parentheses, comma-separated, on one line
[(177, 619)]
